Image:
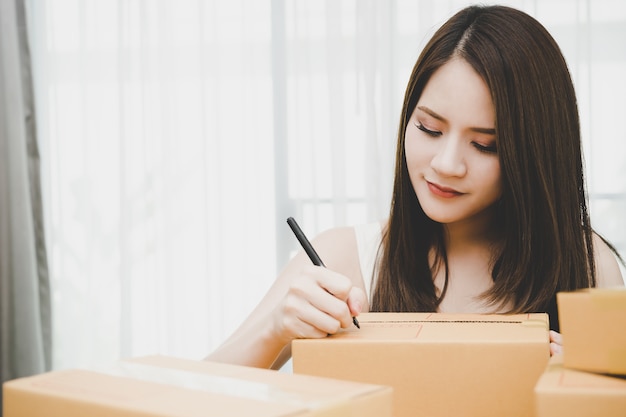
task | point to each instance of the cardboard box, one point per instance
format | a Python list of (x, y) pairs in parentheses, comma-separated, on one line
[(566, 392), (593, 326), (168, 387), (438, 364)]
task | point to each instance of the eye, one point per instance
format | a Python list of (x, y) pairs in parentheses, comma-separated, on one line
[(491, 149), (429, 132)]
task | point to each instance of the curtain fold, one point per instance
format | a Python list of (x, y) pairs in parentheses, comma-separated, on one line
[(25, 314)]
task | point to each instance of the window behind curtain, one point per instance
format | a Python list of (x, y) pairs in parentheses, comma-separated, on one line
[(177, 136)]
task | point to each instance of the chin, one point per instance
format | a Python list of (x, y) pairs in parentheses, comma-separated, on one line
[(440, 216)]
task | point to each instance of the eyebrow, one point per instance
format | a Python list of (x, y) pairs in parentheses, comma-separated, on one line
[(485, 130)]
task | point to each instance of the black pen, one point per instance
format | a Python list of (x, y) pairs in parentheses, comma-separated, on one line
[(308, 248)]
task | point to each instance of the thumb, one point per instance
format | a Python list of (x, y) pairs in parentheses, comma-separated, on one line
[(356, 300)]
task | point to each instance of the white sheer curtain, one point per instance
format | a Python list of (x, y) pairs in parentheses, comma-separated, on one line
[(177, 136)]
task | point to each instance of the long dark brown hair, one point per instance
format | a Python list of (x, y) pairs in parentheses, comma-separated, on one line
[(542, 216)]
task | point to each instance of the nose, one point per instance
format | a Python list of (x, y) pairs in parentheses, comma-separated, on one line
[(449, 160)]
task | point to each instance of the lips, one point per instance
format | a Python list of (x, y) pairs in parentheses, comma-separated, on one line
[(442, 191)]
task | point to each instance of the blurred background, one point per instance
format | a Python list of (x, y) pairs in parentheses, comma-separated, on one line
[(176, 137)]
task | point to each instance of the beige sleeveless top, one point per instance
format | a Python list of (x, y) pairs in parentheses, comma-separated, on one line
[(368, 238)]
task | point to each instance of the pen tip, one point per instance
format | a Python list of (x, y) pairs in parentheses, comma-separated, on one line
[(356, 322)]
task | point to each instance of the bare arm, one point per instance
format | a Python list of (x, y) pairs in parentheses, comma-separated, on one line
[(608, 273), (305, 301)]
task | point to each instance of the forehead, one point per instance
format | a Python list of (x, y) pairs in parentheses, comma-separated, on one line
[(459, 94)]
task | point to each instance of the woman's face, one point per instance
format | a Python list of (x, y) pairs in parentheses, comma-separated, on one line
[(450, 146)]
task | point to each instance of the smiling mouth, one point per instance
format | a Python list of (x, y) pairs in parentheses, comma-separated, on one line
[(441, 191)]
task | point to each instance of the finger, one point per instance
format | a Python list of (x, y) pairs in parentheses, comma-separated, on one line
[(331, 306), (555, 349), (337, 284), (303, 330), (356, 300), (312, 304), (556, 337), (321, 291), (299, 319), (319, 319)]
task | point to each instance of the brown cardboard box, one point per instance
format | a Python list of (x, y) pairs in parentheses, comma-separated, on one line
[(593, 325), (168, 387), (438, 364), (566, 392)]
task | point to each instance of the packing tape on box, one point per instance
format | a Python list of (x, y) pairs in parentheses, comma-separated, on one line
[(213, 384), (526, 323)]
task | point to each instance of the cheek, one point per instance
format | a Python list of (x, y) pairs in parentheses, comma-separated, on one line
[(492, 175), (415, 151), (409, 153), (413, 160)]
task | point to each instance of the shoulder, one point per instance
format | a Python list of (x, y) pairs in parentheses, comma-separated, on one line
[(339, 247), (608, 273), (340, 239)]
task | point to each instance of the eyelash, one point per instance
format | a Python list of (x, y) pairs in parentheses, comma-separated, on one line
[(435, 134), (429, 132), (486, 149)]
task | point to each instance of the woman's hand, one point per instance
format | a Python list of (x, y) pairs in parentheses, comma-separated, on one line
[(318, 302), (556, 343), (305, 301)]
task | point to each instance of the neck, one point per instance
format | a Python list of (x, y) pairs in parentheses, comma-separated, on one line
[(476, 232)]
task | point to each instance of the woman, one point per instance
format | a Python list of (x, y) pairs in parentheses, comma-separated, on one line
[(489, 210)]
